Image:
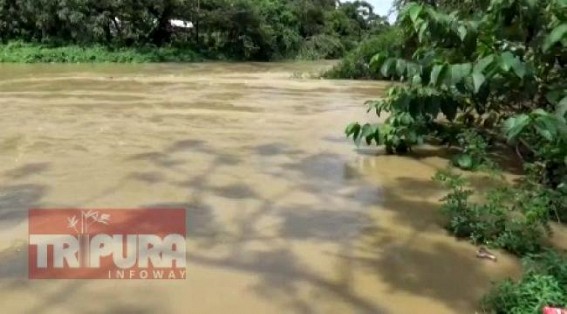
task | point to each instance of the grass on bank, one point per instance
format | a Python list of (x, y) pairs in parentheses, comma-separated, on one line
[(19, 52), (317, 48), (544, 283), (514, 217)]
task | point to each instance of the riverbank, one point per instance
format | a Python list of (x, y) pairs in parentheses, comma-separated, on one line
[(19, 52), (22, 52)]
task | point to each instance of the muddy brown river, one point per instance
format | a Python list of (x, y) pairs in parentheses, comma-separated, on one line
[(283, 214)]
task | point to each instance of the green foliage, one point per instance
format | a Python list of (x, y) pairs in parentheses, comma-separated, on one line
[(473, 77), (543, 284), (356, 64), (509, 217), (235, 29), (34, 53), (545, 136), (474, 154), (506, 64), (528, 296), (321, 47)]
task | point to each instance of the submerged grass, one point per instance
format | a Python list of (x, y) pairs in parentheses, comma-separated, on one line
[(544, 283), (19, 52), (515, 218)]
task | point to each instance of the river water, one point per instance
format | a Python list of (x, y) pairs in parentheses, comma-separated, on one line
[(284, 215)]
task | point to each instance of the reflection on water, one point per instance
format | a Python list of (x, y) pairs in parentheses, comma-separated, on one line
[(284, 216)]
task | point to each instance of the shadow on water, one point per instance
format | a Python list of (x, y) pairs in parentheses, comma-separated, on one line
[(445, 269), (439, 270), (372, 218), (320, 224), (275, 149), (15, 199), (279, 276), (27, 170), (150, 177), (444, 272), (279, 270)]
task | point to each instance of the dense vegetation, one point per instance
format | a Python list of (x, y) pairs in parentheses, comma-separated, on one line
[(33, 53), (488, 80), (126, 30), (356, 63)]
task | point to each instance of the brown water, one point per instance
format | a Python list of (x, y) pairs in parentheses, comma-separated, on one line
[(284, 216)]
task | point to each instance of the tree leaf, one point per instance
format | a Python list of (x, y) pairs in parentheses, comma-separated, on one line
[(416, 79), (438, 72), (401, 66), (561, 109), (378, 135), (377, 61), (556, 35), (413, 69), (352, 129), (364, 129), (387, 67), (464, 161), (422, 29), (402, 102), (459, 72), (515, 125), (519, 68), (540, 112), (478, 80), (414, 12), (507, 60), (545, 129), (554, 96), (368, 133), (483, 63), (462, 30)]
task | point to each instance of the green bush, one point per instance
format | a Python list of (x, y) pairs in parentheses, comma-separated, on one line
[(356, 64), (544, 283), (246, 30), (474, 153), (34, 53), (514, 218), (500, 70), (321, 47)]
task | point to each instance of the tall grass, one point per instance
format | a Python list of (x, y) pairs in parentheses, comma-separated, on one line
[(544, 283), (19, 52)]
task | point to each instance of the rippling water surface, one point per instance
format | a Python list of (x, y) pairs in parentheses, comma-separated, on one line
[(284, 216)]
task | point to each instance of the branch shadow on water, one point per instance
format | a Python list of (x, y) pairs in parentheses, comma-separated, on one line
[(28, 170), (16, 199), (428, 261), (279, 271)]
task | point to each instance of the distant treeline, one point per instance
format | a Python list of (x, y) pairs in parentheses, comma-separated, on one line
[(231, 29)]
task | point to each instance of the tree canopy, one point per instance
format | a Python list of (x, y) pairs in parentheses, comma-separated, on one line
[(243, 29)]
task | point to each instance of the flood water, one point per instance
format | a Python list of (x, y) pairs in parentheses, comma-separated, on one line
[(283, 214)]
